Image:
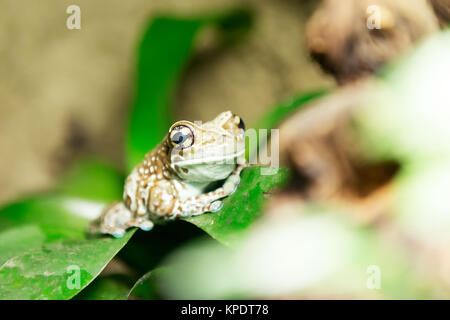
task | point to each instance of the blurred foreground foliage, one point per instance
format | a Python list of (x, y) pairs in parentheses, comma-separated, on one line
[(234, 253)]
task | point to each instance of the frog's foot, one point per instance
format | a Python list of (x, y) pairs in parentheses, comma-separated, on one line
[(118, 233), (215, 206), (142, 223), (114, 220)]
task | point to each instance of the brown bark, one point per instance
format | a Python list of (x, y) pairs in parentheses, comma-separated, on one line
[(442, 10), (341, 42), (320, 145)]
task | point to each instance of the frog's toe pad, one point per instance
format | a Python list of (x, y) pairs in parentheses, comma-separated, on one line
[(118, 233), (146, 225), (215, 206)]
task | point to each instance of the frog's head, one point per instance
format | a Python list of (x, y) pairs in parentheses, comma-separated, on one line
[(203, 152)]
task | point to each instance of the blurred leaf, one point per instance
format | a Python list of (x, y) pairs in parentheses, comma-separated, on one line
[(242, 208), (275, 116), (94, 180), (163, 54), (421, 201), (57, 216), (407, 117), (406, 120), (105, 288), (45, 269), (83, 193), (313, 255)]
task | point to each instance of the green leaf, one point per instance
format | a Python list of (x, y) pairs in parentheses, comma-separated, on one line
[(46, 234), (105, 288), (19, 240), (82, 195), (163, 54), (94, 180), (57, 216), (241, 209), (53, 270)]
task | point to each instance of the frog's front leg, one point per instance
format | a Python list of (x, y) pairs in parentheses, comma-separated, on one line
[(232, 182), (207, 202)]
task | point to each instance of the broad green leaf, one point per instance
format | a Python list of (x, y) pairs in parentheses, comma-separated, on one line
[(54, 270), (242, 208), (57, 216), (163, 54), (44, 235), (19, 240)]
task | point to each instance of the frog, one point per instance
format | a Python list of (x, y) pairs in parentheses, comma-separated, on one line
[(189, 173)]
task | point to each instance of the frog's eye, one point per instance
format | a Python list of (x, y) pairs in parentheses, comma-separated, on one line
[(181, 136), (240, 123)]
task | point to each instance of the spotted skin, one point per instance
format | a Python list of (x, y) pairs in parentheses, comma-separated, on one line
[(173, 180)]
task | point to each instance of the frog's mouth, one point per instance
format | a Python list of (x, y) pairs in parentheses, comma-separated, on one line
[(178, 160)]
